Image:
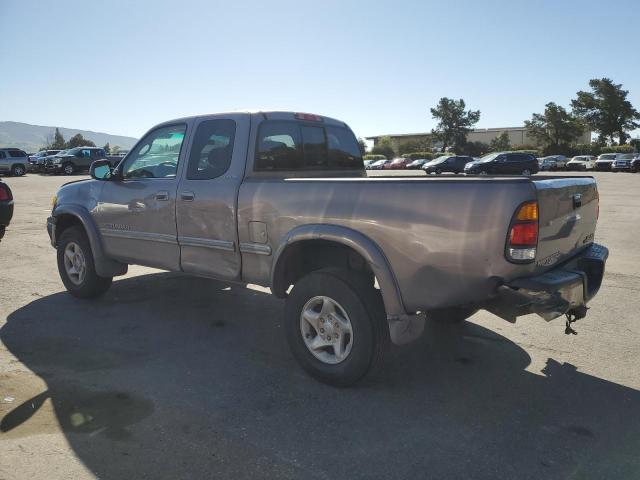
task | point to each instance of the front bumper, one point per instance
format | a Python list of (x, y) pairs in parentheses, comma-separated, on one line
[(621, 168), (564, 289), (604, 167)]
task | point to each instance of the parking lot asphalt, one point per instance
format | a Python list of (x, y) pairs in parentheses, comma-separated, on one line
[(168, 376)]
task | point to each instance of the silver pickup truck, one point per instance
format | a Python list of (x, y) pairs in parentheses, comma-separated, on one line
[(282, 200)]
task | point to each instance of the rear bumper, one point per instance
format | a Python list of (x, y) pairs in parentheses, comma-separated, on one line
[(564, 289)]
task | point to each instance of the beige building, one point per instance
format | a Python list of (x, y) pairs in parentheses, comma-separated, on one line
[(517, 136)]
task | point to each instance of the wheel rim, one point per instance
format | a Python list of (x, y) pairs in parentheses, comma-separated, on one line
[(526, 172), (18, 171), (483, 173), (326, 330), (74, 263), (68, 169)]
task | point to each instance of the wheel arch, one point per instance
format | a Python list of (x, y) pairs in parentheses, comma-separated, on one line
[(311, 236), (67, 216)]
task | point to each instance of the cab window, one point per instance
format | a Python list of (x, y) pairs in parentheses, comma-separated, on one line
[(212, 148), (157, 154)]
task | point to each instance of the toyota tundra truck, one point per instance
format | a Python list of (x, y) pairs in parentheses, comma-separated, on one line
[(281, 199)]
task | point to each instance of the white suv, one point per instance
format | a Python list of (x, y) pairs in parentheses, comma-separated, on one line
[(582, 162), (13, 161)]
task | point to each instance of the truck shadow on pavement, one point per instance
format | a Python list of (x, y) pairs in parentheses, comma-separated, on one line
[(168, 376)]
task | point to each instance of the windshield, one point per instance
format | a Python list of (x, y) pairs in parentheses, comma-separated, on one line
[(61, 152), (440, 159), (626, 156), (607, 156), (73, 151), (489, 157)]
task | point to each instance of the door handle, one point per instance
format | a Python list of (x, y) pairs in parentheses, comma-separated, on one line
[(187, 196), (162, 195)]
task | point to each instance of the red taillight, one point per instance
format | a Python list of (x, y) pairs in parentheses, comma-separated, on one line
[(522, 241), (524, 235), (308, 117), (5, 193)]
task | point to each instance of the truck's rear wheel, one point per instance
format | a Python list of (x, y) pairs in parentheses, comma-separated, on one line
[(336, 326), (76, 266)]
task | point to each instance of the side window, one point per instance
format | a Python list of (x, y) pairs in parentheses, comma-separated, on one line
[(86, 153), (279, 147), (314, 147), (17, 153), (344, 151), (2, 155), (212, 148), (156, 156)]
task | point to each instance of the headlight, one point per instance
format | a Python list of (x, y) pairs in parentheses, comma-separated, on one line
[(56, 160)]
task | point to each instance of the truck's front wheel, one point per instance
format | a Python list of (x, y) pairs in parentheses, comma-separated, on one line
[(76, 266), (336, 326)]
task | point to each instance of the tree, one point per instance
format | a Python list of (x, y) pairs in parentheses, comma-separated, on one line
[(58, 140), (363, 145), (79, 141), (555, 129), (115, 149), (412, 146), (475, 149), (107, 148), (454, 122), (635, 143), (385, 147), (501, 142), (606, 110)]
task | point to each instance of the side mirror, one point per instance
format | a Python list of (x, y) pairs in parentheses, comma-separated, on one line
[(100, 170)]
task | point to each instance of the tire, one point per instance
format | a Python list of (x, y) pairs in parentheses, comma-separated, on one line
[(68, 168), (526, 172), (451, 315), (357, 302), (483, 172), (18, 171), (438, 171), (88, 285)]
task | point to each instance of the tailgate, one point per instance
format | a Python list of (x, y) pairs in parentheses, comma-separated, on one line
[(568, 216)]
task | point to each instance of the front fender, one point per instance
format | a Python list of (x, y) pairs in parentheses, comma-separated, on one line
[(105, 267), (359, 242)]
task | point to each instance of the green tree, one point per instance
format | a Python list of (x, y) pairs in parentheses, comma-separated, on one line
[(555, 129), (635, 143), (385, 147), (606, 110), (107, 148), (475, 149), (115, 149), (363, 145), (454, 123), (79, 141), (501, 143), (412, 146), (58, 140)]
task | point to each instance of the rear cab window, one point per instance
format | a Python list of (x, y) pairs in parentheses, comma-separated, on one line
[(293, 146)]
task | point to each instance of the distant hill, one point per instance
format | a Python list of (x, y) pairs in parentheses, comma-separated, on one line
[(32, 138)]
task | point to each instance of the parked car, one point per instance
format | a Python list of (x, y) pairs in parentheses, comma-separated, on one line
[(397, 164), (635, 164), (581, 163), (13, 161), (622, 163), (561, 161), (504, 163), (356, 259), (37, 161), (6, 207), (368, 163), (547, 164), (604, 161), (75, 160), (378, 164), (416, 164), (447, 163)]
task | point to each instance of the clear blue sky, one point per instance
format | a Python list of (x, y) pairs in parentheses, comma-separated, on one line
[(122, 66)]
